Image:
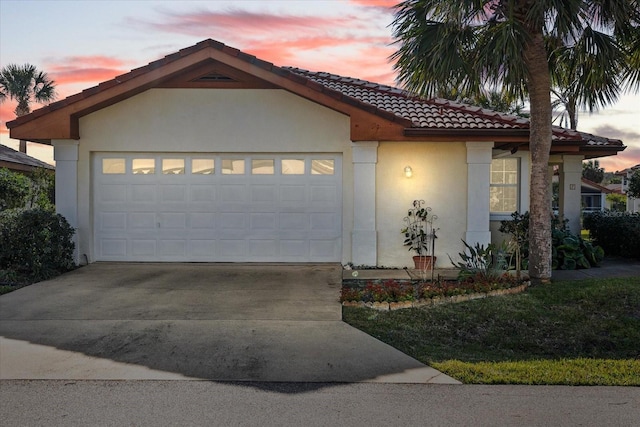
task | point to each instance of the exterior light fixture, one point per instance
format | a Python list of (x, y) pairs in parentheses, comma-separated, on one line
[(408, 172)]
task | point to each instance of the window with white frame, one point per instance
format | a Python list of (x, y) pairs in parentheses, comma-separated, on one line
[(504, 187)]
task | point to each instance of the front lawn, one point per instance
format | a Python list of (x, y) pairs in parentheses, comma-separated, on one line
[(576, 332)]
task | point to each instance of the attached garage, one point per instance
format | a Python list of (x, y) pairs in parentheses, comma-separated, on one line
[(213, 155), (211, 207)]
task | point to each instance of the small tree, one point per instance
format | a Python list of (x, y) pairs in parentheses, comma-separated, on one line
[(592, 171), (618, 202), (634, 185), (518, 228)]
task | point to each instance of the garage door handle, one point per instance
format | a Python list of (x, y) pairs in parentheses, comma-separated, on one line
[(158, 225)]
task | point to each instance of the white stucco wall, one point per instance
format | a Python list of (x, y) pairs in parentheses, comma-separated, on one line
[(439, 178), (213, 121)]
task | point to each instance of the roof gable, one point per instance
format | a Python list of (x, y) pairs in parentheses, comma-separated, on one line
[(377, 112)]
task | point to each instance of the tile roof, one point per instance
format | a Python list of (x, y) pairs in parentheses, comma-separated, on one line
[(597, 186), (10, 155), (415, 113), (438, 113)]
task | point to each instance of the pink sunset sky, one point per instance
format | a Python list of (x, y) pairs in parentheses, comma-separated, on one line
[(82, 43)]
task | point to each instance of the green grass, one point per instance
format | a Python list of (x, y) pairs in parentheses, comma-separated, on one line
[(581, 332), (5, 289)]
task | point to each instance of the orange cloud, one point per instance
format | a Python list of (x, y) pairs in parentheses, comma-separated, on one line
[(6, 114), (84, 69), (376, 3), (342, 44), (245, 23), (628, 158)]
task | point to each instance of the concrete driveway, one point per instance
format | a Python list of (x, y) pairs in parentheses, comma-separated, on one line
[(226, 322)]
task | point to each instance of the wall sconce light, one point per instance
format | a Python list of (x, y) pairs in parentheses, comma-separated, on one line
[(408, 172)]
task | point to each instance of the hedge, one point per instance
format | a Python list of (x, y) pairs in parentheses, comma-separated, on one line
[(617, 232), (35, 244)]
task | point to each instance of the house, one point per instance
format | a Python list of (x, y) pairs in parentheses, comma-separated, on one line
[(213, 155), (633, 204), (594, 196), (20, 162)]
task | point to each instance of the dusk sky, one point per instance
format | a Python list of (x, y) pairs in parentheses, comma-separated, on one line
[(82, 43)]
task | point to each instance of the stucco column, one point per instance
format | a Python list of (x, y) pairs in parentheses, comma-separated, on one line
[(570, 191), (478, 193), (65, 153), (364, 241)]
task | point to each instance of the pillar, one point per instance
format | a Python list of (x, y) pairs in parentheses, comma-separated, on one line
[(364, 241), (478, 192), (570, 191), (65, 153)]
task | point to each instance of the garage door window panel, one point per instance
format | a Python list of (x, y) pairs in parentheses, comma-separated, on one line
[(143, 166), (173, 166), (233, 166), (262, 167), (203, 167), (114, 166), (322, 167), (292, 166)]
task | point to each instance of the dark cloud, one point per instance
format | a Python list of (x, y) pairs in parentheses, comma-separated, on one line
[(610, 131)]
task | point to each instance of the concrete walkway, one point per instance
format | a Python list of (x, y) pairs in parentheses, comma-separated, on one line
[(194, 321), (610, 268)]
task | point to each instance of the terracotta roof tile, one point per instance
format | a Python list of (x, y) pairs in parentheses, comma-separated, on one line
[(436, 113)]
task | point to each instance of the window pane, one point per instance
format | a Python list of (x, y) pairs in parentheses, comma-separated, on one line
[(144, 166), (113, 166), (322, 167), (233, 166), (202, 166), (504, 185), (262, 167), (173, 166), (292, 166), (504, 199), (511, 177)]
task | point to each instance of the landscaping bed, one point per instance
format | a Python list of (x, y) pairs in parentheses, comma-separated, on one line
[(394, 294)]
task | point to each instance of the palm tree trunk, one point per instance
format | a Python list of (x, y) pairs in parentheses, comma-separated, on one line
[(539, 84)]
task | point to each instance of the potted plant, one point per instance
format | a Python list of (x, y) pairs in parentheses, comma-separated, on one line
[(419, 235)]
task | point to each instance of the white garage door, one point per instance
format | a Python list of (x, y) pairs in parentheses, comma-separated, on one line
[(217, 208)]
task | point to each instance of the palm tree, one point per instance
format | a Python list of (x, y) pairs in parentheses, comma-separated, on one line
[(25, 84), (579, 79), (466, 44)]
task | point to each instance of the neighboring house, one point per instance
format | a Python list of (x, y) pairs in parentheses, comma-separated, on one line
[(213, 155), (594, 196), (20, 162), (633, 204)]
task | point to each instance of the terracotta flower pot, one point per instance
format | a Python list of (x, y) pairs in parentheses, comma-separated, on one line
[(424, 262)]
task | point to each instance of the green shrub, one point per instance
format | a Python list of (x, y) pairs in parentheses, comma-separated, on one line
[(482, 264), (15, 189), (35, 243), (569, 251), (617, 232), (26, 191)]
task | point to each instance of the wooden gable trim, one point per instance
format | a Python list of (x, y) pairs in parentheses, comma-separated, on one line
[(61, 120)]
